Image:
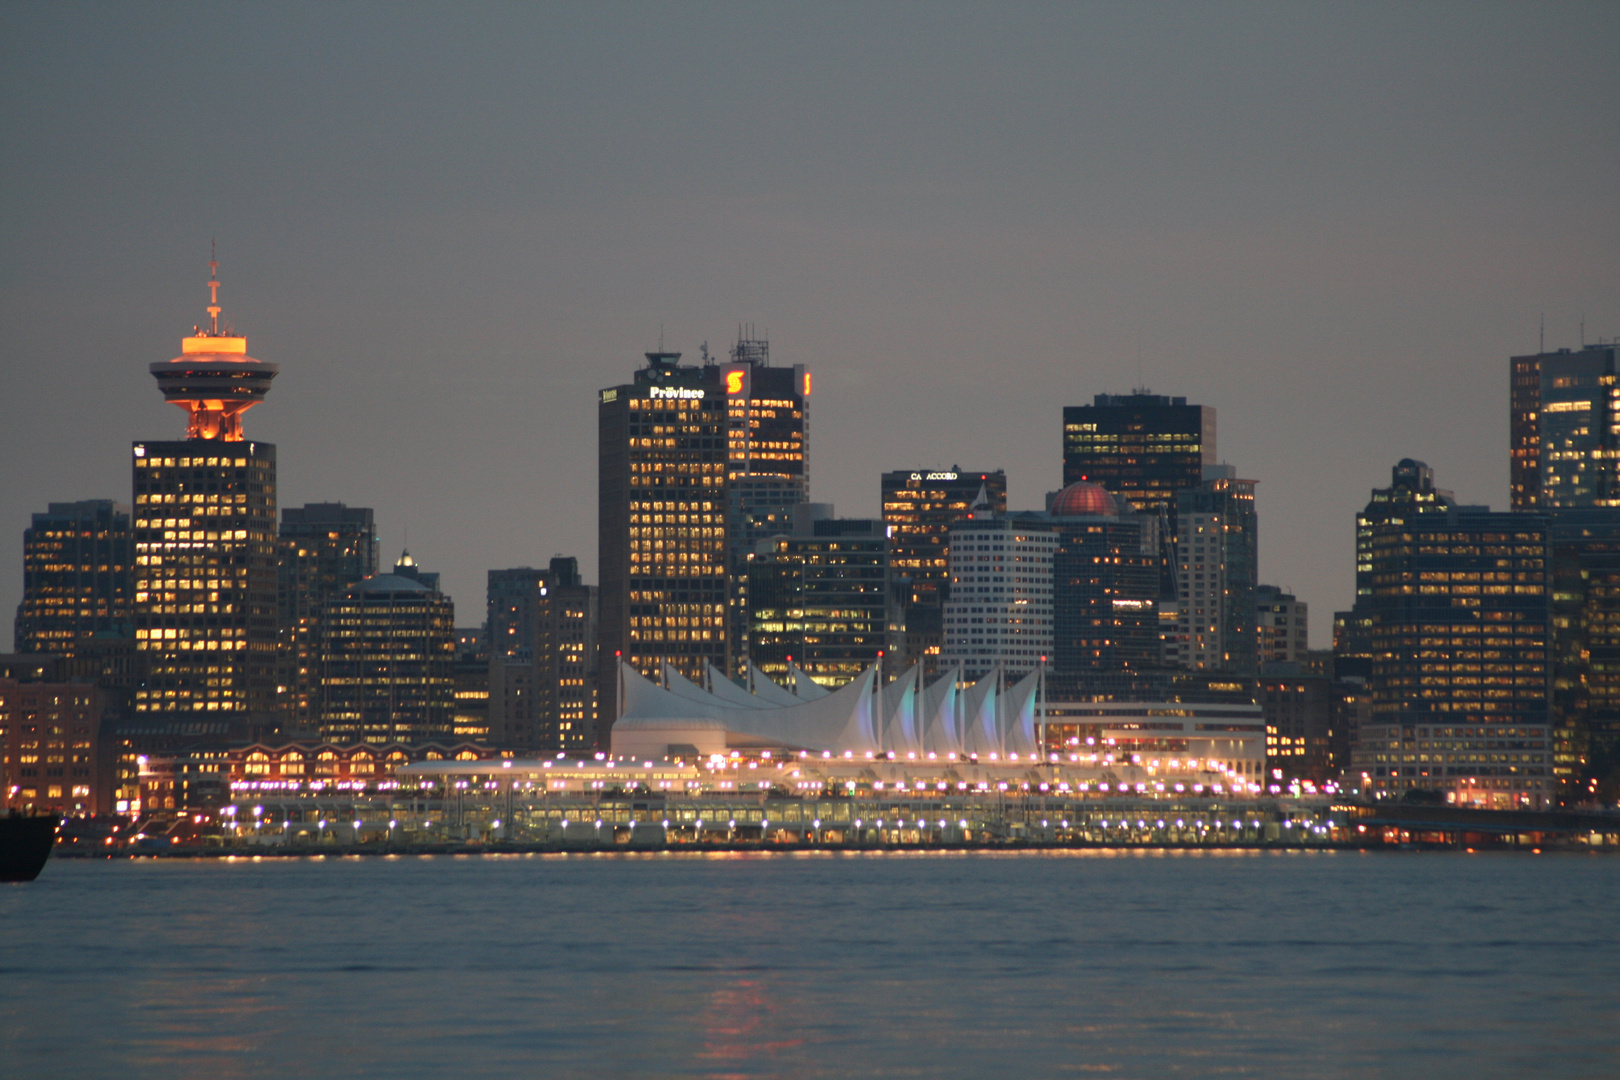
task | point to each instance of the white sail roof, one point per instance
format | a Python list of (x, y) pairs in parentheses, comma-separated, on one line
[(1017, 721), (941, 726), (979, 734), (732, 694), (766, 688), (900, 713), (842, 720), (806, 687)]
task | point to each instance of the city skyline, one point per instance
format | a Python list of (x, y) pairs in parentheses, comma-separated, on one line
[(1345, 295)]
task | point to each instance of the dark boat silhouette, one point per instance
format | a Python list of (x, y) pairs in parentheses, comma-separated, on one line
[(25, 844)]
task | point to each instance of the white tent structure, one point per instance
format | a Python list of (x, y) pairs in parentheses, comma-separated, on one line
[(803, 685), (766, 689), (905, 719)]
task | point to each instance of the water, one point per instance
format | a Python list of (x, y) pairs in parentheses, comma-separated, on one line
[(1038, 965)]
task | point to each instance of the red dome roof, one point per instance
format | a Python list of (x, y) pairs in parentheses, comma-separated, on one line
[(1084, 499)]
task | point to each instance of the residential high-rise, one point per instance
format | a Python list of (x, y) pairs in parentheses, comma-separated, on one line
[(1282, 632), (1565, 428), (1216, 573), (919, 508), (664, 442), (768, 467), (818, 599), (388, 655), (77, 558), (1456, 603), (205, 533), (1105, 583), (322, 550), (999, 611)]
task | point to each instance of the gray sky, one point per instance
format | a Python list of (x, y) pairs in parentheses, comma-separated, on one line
[(451, 224)]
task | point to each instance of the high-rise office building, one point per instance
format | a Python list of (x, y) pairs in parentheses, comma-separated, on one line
[(1216, 573), (1586, 653), (514, 597), (664, 456), (768, 471), (1105, 583), (1145, 448), (388, 654), (322, 550), (542, 664), (205, 534), (471, 717), (919, 508), (819, 599), (999, 611), (77, 561), (1565, 428), (1456, 603), (1142, 446), (1282, 631)]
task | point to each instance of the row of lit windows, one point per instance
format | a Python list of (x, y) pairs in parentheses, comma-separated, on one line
[(142, 462)]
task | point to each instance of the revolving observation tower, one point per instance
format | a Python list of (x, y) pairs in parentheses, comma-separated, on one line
[(213, 378)]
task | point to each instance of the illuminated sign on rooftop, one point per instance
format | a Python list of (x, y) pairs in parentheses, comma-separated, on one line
[(675, 392)]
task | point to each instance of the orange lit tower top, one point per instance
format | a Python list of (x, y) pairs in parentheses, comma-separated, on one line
[(213, 378)]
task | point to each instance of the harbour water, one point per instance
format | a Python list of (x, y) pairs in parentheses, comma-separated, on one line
[(1119, 963)]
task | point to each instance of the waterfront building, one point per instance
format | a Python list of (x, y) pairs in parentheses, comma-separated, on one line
[(542, 665), (664, 459), (206, 779), (768, 466), (1300, 711), (388, 655), (77, 580), (1565, 428), (205, 531), (1456, 602), (998, 613), (1105, 582), (1216, 572), (818, 600), (920, 506), (50, 744), (1282, 632), (323, 548)]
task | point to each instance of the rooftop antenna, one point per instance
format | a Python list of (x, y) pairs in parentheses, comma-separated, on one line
[(1541, 339), (1583, 329), (660, 335), (213, 288)]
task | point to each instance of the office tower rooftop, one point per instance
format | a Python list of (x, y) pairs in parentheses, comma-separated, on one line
[(1565, 428), (1142, 446)]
